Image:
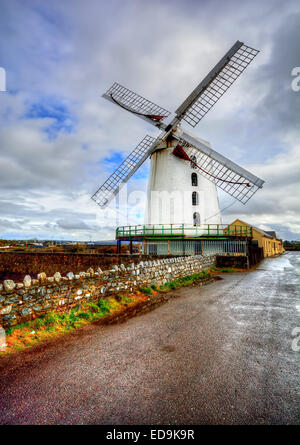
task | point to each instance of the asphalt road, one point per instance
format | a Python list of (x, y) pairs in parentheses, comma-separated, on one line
[(219, 354)]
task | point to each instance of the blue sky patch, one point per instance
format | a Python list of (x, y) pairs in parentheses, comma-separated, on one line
[(112, 162), (63, 120)]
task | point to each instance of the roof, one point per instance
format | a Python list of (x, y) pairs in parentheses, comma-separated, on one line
[(268, 234), (272, 233)]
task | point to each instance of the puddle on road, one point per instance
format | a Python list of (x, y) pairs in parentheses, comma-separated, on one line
[(168, 348)]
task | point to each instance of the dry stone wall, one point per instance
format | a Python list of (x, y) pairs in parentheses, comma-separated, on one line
[(20, 302)]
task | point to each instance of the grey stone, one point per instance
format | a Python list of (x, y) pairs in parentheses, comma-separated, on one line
[(20, 285), (9, 317), (27, 297), (70, 275), (26, 311), (50, 279), (41, 291), (91, 271), (37, 308), (99, 270), (27, 281), (6, 310), (21, 292), (57, 277), (12, 300), (42, 276), (9, 285)]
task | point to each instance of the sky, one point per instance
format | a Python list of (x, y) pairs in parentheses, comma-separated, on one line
[(59, 139)]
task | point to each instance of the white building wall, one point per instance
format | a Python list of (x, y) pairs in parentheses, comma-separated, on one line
[(170, 192)]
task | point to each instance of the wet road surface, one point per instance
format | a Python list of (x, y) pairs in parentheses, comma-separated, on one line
[(218, 354)]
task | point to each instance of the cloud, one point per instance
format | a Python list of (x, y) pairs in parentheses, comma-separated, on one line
[(59, 139)]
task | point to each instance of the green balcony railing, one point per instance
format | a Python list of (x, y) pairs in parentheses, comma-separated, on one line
[(186, 230)]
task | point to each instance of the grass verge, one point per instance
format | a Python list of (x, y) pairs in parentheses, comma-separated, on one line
[(52, 324)]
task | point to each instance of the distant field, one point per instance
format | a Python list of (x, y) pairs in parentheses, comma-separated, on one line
[(15, 265)]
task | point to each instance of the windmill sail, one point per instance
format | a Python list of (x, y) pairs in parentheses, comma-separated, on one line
[(216, 83), (136, 104), (128, 167), (230, 177)]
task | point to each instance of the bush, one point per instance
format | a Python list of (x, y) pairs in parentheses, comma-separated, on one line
[(51, 319), (84, 315), (104, 306), (146, 290), (94, 307), (126, 300)]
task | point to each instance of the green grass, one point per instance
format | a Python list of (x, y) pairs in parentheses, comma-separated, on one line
[(146, 290), (68, 320), (126, 300), (226, 269), (188, 280)]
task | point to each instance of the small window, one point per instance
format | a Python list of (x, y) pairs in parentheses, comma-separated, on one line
[(193, 158), (195, 199), (194, 179), (196, 219)]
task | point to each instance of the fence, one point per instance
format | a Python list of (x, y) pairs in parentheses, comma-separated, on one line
[(195, 247), (185, 230)]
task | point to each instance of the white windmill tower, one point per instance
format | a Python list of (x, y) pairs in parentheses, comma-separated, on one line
[(183, 167)]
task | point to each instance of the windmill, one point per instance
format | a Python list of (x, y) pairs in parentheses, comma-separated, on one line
[(180, 161)]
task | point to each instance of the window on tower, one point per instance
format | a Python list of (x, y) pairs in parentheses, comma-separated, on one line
[(195, 199), (194, 179), (196, 219), (193, 158)]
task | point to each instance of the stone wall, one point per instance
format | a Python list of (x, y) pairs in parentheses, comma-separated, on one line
[(20, 302)]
